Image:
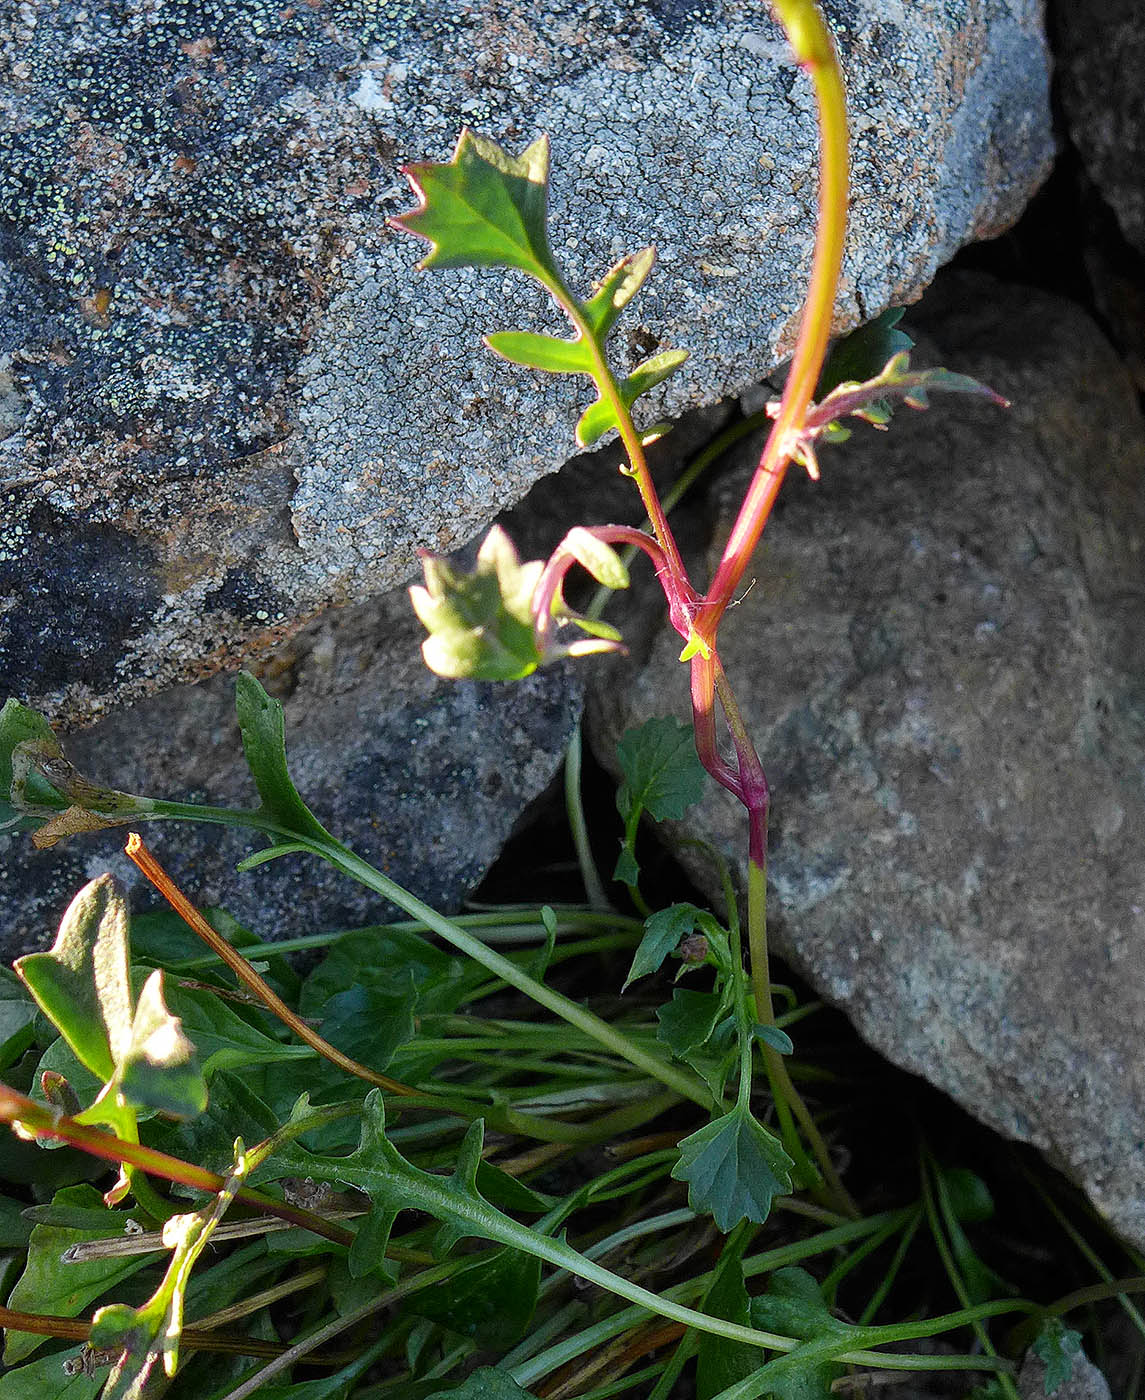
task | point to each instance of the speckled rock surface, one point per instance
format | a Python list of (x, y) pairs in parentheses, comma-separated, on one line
[(943, 663), (424, 778), (225, 402), (1101, 61)]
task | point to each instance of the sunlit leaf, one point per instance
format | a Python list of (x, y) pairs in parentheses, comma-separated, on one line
[(484, 207), (617, 288), (600, 416), (82, 984), (160, 1069), (480, 624), (547, 352)]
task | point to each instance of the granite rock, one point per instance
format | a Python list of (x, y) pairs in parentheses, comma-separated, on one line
[(942, 662), (224, 400), (1100, 51), (423, 778)]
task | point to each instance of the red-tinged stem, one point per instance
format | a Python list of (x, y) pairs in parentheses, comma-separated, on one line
[(563, 558), (36, 1121), (703, 677), (815, 52)]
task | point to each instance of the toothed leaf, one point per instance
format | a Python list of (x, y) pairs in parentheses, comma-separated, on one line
[(480, 624), (1058, 1346), (662, 934), (484, 207), (864, 352), (662, 772), (734, 1169)]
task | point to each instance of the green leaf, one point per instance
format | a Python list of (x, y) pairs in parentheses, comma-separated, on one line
[(968, 1195), (82, 985), (627, 868), (863, 354), (159, 1069), (60, 1376), (49, 1286), (224, 1039), (663, 931), (600, 415), (22, 732), (149, 1335), (547, 352), (370, 1022), (491, 1300), (662, 774), (980, 1281), (734, 1169), (17, 1017), (486, 1383), (617, 288), (720, 1363), (480, 625), (688, 1020), (596, 557), (484, 208), (264, 744), (793, 1304), (1057, 1345), (775, 1038)]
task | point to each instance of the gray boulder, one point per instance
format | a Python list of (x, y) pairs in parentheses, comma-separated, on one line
[(943, 664), (226, 402), (423, 778), (1101, 58)]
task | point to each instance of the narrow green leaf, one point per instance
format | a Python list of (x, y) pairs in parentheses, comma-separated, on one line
[(1058, 1346), (776, 1038), (663, 775), (594, 422), (223, 1039), (597, 557), (82, 984), (484, 208), (264, 744), (720, 1363), (547, 352), (734, 1169), (652, 372), (159, 1069), (617, 288)]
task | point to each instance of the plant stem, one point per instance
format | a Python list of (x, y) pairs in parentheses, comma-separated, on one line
[(574, 806), (816, 53), (35, 1120)]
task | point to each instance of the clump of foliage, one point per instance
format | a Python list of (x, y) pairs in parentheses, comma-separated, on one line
[(428, 1194)]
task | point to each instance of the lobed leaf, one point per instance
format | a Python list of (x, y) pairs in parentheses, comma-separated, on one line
[(663, 775), (794, 1304), (480, 624), (662, 934), (1058, 1346), (688, 1020), (484, 208), (734, 1168), (600, 415)]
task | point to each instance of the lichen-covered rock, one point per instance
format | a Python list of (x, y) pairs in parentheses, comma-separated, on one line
[(1101, 57), (942, 662), (224, 399), (423, 778)]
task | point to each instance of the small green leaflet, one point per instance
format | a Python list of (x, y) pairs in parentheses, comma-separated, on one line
[(663, 775), (487, 1383), (794, 1305), (617, 288), (688, 1020), (598, 417), (734, 1169), (484, 208), (864, 353), (662, 934), (1057, 1345), (264, 744)]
